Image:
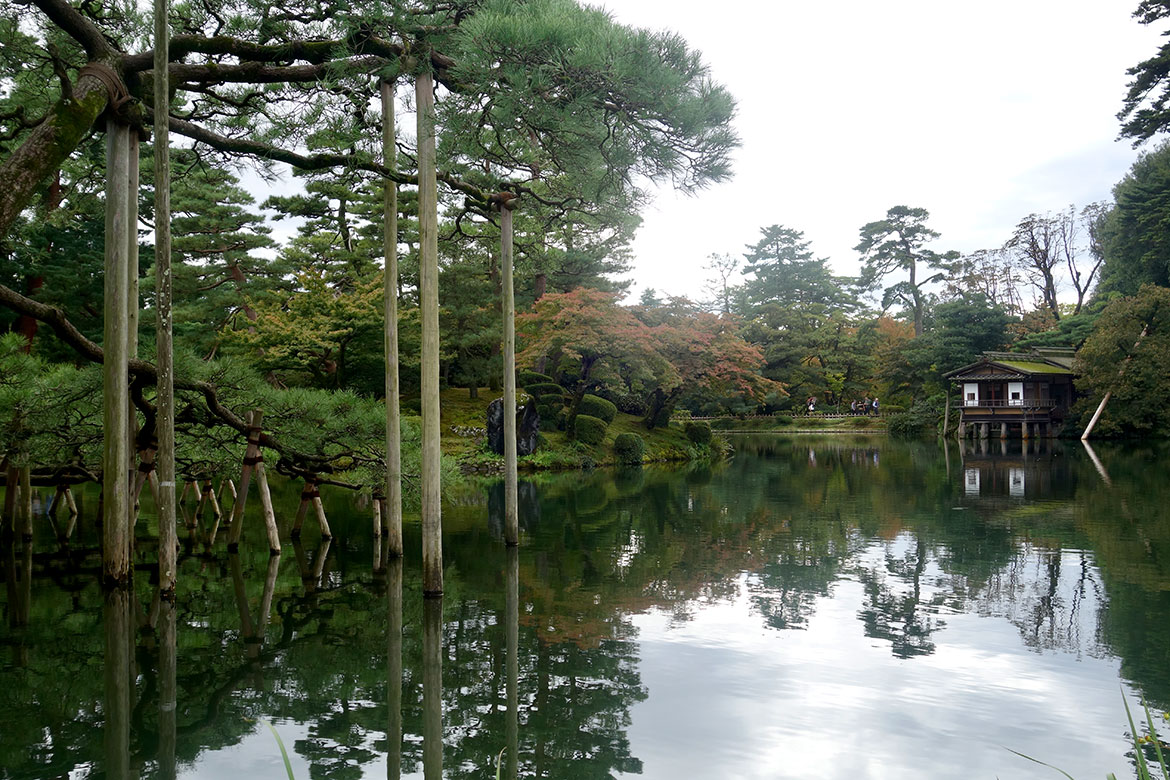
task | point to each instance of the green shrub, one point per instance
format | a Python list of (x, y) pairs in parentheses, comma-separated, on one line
[(589, 430), (628, 447), (904, 425), (552, 415), (698, 432), (541, 389), (890, 409), (860, 422), (526, 378), (596, 406)]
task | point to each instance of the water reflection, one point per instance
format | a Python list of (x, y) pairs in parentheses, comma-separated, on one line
[(654, 622)]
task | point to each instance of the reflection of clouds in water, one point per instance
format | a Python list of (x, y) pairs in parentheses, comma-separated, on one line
[(829, 702)]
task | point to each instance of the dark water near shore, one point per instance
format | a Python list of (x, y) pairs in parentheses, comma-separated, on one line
[(830, 607)]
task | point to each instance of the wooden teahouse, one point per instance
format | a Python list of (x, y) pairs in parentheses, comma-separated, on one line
[(1015, 394)]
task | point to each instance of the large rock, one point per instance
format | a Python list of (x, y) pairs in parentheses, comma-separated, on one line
[(527, 427)]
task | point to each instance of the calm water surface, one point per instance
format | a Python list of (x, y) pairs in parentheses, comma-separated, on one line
[(835, 607)]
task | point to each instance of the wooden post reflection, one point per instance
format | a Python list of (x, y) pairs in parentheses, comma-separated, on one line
[(433, 689), (394, 668), (167, 688), (119, 626), (512, 627)]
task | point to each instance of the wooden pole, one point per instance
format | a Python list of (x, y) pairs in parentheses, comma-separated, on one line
[(303, 509), (377, 507), (132, 178), (511, 513), (320, 509), (947, 413), (1120, 373), (115, 377), (26, 503), (393, 518), (428, 227), (266, 507), (251, 453)]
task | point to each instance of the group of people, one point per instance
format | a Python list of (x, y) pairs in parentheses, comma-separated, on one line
[(867, 406)]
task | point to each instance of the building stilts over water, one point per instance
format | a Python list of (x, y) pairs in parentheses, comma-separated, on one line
[(1015, 394)]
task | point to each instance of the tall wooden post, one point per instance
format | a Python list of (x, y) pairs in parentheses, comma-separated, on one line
[(511, 513), (428, 231), (168, 535), (392, 521), (115, 377), (132, 178)]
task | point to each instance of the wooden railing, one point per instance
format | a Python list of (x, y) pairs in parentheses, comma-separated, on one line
[(1026, 403)]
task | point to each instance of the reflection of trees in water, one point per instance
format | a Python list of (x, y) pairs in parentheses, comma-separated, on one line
[(895, 609)]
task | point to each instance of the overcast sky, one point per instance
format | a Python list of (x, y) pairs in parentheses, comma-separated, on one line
[(981, 113)]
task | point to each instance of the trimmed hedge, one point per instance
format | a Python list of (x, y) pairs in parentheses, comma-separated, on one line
[(698, 432), (541, 389), (629, 448), (526, 378), (589, 430), (596, 406)]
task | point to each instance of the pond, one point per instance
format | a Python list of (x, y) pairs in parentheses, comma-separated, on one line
[(830, 607)]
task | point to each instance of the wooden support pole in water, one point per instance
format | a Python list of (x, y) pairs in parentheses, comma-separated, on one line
[(428, 228), (26, 504), (132, 185), (377, 509), (1109, 394), (11, 488), (393, 518), (511, 512), (116, 536), (251, 455), (303, 508), (266, 507), (168, 533), (202, 503), (320, 510)]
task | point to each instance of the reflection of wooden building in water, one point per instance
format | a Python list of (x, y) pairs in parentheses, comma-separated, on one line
[(1002, 469), (1015, 394)]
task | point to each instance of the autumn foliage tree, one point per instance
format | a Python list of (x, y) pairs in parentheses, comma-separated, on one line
[(711, 357)]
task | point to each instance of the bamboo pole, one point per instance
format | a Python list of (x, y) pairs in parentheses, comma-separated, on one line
[(393, 518), (251, 453), (1120, 373), (511, 512), (266, 597), (115, 368), (432, 521)]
